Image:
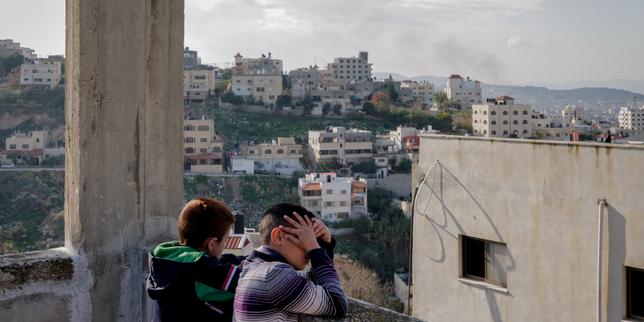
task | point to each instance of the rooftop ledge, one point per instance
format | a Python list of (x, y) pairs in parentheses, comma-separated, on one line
[(524, 141), (39, 268)]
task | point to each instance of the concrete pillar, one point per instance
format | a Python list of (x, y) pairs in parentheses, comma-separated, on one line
[(123, 184)]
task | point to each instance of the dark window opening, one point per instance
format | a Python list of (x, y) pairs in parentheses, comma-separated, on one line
[(473, 258), (635, 293)]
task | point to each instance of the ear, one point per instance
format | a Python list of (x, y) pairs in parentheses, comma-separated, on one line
[(212, 244), (276, 236)]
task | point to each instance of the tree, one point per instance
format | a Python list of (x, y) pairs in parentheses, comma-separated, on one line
[(368, 167), (231, 98), (440, 98), (379, 99), (326, 108), (337, 109), (404, 166), (283, 101), (369, 108), (7, 64), (393, 93)]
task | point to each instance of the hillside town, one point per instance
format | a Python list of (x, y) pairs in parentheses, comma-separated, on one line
[(382, 161)]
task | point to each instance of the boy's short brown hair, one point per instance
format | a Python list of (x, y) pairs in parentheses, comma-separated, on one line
[(202, 218)]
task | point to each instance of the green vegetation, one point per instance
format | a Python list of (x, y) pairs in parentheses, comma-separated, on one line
[(31, 215), (36, 108), (381, 244), (9, 63), (252, 195), (366, 167)]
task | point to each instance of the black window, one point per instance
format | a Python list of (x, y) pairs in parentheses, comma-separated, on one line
[(635, 292), (473, 258)]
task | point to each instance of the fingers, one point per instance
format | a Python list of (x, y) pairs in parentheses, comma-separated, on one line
[(308, 221), (292, 221), (289, 230), (300, 219)]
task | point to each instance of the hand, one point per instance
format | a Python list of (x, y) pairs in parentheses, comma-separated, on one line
[(302, 233), (321, 230)]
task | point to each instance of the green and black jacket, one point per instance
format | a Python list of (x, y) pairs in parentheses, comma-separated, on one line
[(189, 285)]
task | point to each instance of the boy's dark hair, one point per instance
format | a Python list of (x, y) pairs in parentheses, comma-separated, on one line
[(202, 218), (274, 217)]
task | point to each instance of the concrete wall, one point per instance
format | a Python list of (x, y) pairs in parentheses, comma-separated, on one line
[(399, 184), (540, 198), (123, 175)]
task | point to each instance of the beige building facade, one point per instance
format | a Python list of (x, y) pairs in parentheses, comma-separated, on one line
[(501, 117), (351, 69), (423, 91), (631, 118), (509, 230), (41, 74), (333, 198), (198, 84), (202, 148), (464, 91), (347, 146), (282, 156), (260, 78)]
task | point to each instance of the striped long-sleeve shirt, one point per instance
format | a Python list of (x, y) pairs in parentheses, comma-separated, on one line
[(269, 289)]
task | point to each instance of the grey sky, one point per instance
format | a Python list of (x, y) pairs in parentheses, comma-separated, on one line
[(499, 41)]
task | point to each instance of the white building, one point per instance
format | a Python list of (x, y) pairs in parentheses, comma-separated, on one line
[(500, 117), (631, 118), (41, 74), (282, 156), (202, 148), (260, 78), (464, 91), (347, 146), (242, 165), (423, 91), (198, 84), (333, 198), (351, 69)]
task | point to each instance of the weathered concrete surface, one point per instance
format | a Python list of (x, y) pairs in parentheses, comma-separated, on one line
[(20, 270), (540, 198), (360, 311), (399, 184), (43, 307)]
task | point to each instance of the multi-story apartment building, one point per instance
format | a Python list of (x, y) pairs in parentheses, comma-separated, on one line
[(282, 156), (333, 198), (574, 115), (8, 46), (304, 81), (423, 91), (500, 117), (351, 69), (40, 74), (33, 144), (198, 84), (464, 91), (631, 118), (260, 78), (347, 146), (202, 148), (190, 58)]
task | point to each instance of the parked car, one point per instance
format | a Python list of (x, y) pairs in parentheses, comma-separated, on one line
[(7, 165)]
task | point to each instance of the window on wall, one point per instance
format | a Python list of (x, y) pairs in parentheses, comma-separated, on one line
[(483, 260), (635, 293)]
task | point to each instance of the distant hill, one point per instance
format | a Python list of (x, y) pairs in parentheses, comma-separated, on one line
[(541, 97)]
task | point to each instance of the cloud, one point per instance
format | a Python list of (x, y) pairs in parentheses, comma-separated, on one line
[(523, 42)]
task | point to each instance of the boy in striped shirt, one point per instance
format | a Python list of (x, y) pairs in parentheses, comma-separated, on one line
[(271, 288)]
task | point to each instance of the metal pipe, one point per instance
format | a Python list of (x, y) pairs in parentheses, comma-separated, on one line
[(600, 206)]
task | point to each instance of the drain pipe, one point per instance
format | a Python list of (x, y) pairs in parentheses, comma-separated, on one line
[(601, 204)]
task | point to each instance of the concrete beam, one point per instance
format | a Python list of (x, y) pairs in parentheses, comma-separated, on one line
[(124, 113)]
